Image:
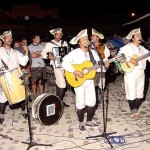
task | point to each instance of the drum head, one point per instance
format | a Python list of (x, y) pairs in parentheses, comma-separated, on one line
[(50, 109)]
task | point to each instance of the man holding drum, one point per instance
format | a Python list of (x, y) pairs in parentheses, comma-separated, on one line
[(10, 60)]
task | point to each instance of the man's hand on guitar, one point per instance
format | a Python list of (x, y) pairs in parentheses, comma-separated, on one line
[(78, 74), (134, 61)]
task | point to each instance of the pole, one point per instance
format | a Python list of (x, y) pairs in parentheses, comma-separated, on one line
[(104, 134)]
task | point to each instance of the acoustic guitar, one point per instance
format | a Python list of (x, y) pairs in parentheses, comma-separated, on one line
[(88, 69), (128, 66)]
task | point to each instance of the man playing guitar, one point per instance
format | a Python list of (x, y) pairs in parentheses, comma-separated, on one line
[(134, 80)]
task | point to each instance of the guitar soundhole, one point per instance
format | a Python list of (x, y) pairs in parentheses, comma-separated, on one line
[(85, 71)]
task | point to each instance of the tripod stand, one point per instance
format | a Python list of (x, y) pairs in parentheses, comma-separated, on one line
[(32, 142), (104, 134)]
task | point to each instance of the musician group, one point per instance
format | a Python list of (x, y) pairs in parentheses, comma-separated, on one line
[(27, 66)]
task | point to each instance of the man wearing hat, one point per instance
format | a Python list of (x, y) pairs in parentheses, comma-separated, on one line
[(134, 80), (85, 93), (103, 53), (10, 59), (55, 44)]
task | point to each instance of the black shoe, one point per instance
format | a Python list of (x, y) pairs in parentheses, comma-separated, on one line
[(25, 116), (1, 121), (65, 105), (82, 128), (91, 124)]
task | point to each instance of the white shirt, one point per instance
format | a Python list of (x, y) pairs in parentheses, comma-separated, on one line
[(76, 56), (13, 59), (130, 49), (48, 48)]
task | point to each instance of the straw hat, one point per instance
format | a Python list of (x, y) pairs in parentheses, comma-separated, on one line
[(57, 30), (101, 36), (133, 32), (6, 33), (82, 33)]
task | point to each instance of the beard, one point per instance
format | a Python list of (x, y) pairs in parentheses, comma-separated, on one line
[(9, 43)]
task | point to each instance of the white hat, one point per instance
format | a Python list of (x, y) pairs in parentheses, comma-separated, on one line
[(53, 31), (133, 32), (101, 36), (81, 34), (6, 33), (1, 37)]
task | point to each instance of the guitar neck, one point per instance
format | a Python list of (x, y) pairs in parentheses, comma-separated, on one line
[(144, 56), (111, 60), (94, 67)]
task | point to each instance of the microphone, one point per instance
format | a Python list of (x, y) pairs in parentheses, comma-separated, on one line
[(143, 41), (136, 39), (87, 44), (93, 45)]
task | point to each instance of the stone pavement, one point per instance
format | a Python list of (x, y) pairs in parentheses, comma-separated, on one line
[(64, 134)]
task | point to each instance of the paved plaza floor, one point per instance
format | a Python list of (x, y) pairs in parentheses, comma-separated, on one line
[(64, 134)]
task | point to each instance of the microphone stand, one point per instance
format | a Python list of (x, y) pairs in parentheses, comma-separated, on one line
[(28, 93), (6, 68), (104, 134)]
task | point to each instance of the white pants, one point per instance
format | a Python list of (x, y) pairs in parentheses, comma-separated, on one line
[(100, 83), (85, 94), (3, 98), (134, 84), (60, 77)]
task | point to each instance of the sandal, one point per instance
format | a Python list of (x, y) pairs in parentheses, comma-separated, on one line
[(25, 116), (1, 120), (82, 128), (140, 115), (135, 116)]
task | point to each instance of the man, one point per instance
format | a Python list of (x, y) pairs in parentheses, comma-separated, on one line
[(27, 68), (134, 80), (16, 44), (55, 44), (104, 53), (9, 59), (38, 69), (85, 94)]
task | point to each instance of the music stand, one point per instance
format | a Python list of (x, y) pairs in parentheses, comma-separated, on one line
[(32, 142), (104, 134)]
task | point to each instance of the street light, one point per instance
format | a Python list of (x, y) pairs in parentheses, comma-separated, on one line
[(27, 18)]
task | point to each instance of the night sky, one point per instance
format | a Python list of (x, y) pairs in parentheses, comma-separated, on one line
[(87, 7)]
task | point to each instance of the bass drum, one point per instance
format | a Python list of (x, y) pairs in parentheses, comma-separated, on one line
[(12, 84), (47, 109)]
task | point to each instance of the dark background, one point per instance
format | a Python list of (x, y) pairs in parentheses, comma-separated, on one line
[(107, 16), (87, 7)]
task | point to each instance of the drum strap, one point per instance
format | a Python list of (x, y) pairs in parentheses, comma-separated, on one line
[(5, 66), (17, 63)]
